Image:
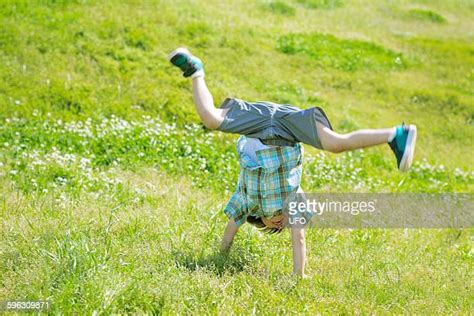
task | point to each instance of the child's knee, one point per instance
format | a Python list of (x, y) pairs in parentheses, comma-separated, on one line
[(213, 119), (210, 123)]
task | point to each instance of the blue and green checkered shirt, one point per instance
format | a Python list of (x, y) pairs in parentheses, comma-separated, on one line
[(264, 186)]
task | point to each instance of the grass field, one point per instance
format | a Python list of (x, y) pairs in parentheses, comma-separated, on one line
[(112, 193)]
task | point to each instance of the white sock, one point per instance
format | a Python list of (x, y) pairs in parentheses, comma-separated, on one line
[(392, 134), (199, 73)]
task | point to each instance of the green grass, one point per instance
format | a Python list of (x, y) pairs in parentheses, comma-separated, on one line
[(425, 15), (280, 7), (322, 4), (347, 55), (111, 194)]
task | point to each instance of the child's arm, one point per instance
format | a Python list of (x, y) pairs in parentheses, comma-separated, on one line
[(229, 234), (299, 250)]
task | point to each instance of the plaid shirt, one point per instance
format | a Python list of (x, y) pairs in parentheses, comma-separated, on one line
[(264, 187)]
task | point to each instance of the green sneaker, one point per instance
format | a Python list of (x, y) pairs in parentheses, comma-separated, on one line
[(403, 146), (190, 65)]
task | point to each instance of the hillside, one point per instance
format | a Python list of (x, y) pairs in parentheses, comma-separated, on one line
[(112, 192)]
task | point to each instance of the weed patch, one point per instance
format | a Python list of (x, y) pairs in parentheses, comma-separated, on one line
[(322, 4), (279, 7), (425, 16), (85, 156)]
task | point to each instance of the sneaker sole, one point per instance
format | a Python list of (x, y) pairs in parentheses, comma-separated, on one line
[(180, 50), (407, 158)]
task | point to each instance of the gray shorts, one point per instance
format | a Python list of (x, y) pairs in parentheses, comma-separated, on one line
[(273, 124)]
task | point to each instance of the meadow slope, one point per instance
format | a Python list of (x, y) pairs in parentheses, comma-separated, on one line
[(112, 192)]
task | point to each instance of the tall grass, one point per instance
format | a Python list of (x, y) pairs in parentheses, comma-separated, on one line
[(111, 192)]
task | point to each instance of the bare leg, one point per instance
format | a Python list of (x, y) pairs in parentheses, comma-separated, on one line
[(336, 143), (210, 116)]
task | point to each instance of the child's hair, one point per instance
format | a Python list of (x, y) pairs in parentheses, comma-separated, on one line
[(257, 222)]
